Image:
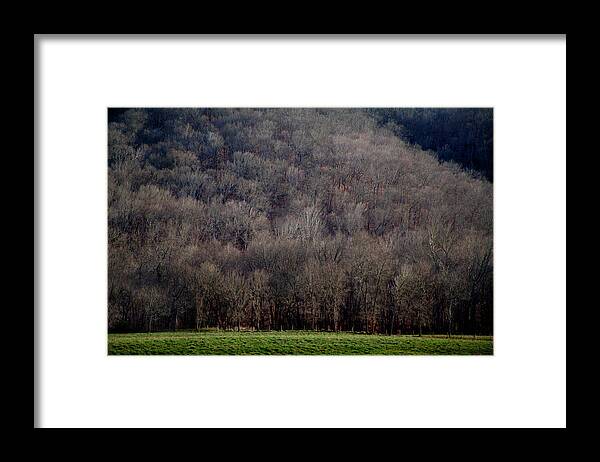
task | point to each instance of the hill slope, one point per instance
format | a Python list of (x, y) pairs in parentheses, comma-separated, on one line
[(291, 219)]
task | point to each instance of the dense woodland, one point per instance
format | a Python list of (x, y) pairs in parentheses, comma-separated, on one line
[(324, 219)]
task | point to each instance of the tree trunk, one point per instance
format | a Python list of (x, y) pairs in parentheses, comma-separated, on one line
[(450, 320)]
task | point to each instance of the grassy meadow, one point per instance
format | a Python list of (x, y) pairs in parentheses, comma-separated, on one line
[(214, 342)]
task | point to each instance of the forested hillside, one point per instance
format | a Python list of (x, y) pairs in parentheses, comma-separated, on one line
[(291, 219)]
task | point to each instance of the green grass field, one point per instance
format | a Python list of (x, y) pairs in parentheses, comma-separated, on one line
[(293, 343)]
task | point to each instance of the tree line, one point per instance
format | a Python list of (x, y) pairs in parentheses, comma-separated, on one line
[(264, 219)]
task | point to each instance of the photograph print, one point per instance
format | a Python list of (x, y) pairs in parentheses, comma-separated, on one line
[(300, 231)]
